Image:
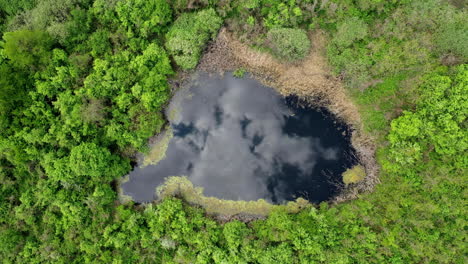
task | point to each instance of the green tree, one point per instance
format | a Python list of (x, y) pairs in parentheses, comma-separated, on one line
[(188, 35), (88, 159), (27, 48), (436, 129), (14, 85), (279, 14), (143, 18)]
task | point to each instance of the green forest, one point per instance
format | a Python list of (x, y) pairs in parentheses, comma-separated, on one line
[(83, 86)]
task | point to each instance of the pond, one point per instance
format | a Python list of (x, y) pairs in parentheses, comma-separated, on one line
[(241, 140)]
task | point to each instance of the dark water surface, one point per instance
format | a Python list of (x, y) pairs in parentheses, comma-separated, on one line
[(240, 140)]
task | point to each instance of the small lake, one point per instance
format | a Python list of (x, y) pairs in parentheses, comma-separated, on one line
[(241, 140)]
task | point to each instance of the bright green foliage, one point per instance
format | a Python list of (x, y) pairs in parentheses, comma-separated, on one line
[(239, 73), (189, 34), (136, 85), (143, 17), (74, 109), (288, 43), (235, 233), (279, 14), (90, 159), (436, 129), (27, 48), (99, 42)]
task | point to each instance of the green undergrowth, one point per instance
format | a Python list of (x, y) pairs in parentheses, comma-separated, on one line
[(83, 85), (380, 103)]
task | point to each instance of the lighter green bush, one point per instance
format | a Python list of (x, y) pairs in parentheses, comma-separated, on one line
[(188, 35), (349, 31), (288, 43)]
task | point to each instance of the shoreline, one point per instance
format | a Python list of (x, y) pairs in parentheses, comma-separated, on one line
[(310, 80)]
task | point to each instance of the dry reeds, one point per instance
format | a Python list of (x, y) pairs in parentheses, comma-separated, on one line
[(310, 79)]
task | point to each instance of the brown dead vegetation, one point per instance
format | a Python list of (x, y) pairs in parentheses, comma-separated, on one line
[(310, 79)]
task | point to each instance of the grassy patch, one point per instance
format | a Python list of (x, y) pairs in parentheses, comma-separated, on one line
[(182, 187)]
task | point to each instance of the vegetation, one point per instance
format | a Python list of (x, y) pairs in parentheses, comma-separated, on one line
[(289, 43), (354, 175), (83, 84), (239, 73), (187, 37)]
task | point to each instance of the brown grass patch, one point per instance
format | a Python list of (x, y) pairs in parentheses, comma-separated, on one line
[(310, 79)]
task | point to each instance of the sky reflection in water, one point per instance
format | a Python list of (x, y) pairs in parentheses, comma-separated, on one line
[(240, 140)]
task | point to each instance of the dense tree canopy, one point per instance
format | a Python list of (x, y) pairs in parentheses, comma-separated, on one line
[(83, 85)]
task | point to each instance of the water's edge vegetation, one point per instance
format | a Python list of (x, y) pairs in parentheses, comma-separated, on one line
[(267, 147), (83, 85)]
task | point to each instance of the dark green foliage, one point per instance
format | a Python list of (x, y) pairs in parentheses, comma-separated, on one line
[(366, 48), (14, 85), (12, 7), (189, 34), (453, 38), (83, 85), (27, 48), (288, 43), (350, 31), (46, 15)]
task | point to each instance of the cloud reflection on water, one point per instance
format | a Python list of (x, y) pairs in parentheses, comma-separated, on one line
[(231, 138)]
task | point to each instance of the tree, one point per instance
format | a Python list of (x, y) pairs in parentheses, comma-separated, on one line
[(88, 159), (435, 129), (279, 14), (14, 84), (27, 48), (190, 32), (144, 18)]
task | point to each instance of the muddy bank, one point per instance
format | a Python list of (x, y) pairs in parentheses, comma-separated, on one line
[(310, 79)]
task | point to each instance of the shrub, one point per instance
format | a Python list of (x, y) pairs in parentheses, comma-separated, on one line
[(354, 175), (188, 35), (349, 31), (280, 14), (452, 38), (239, 73), (288, 43)]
